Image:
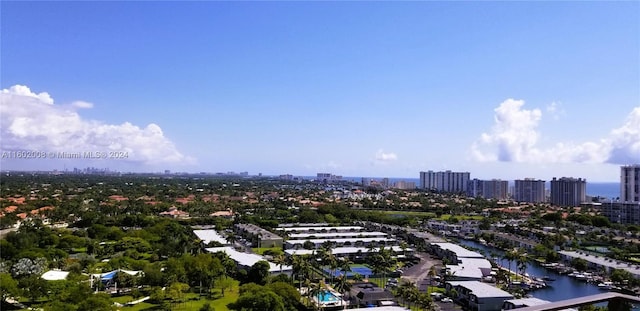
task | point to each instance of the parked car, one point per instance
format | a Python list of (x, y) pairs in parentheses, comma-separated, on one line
[(446, 299)]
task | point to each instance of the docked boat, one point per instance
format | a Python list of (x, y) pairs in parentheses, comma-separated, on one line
[(608, 286)]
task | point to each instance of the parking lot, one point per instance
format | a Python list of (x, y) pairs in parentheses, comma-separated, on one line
[(419, 272)]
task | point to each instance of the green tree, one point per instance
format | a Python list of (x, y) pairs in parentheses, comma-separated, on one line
[(290, 296), (224, 284), (255, 297), (8, 286), (96, 302), (579, 263), (33, 286), (259, 272), (176, 292)]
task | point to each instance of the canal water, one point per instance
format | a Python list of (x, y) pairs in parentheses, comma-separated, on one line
[(564, 287)]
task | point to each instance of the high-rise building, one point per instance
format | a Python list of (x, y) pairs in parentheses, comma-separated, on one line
[(328, 178), (488, 189), (529, 190), (403, 184), (630, 183), (621, 212), (446, 181), (568, 191)]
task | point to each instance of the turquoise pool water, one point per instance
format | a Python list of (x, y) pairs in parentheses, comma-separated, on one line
[(326, 297)]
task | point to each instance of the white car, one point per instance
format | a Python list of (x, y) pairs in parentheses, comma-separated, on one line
[(446, 299)]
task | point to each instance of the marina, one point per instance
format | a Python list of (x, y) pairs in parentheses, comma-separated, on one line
[(562, 287)]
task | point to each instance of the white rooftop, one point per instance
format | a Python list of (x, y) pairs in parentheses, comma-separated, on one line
[(460, 251), (482, 290), (335, 234), (246, 259), (210, 235), (343, 250), (634, 269), (343, 228), (527, 302), (352, 240), (55, 275)]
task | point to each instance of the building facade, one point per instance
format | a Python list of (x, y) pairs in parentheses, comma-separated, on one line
[(630, 183), (568, 191), (529, 190), (621, 212), (447, 181), (488, 189)]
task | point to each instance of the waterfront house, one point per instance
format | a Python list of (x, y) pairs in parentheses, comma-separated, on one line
[(478, 296)]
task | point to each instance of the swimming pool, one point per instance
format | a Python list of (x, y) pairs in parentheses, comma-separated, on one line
[(327, 297)]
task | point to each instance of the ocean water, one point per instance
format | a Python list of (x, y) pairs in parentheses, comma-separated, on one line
[(604, 189)]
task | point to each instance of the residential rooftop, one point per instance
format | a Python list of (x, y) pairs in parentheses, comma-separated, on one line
[(481, 290)]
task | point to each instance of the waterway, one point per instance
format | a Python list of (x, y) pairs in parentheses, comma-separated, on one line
[(564, 287)]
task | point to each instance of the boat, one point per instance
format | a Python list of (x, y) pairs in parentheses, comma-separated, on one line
[(547, 278), (608, 285)]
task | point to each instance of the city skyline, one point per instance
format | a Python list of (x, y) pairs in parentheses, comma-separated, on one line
[(501, 90)]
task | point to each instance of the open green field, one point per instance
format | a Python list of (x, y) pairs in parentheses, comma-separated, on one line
[(193, 301), (460, 217), (407, 213)]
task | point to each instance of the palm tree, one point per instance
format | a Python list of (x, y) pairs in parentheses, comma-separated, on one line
[(382, 262), (315, 290), (521, 262), (280, 260), (345, 265), (231, 238), (424, 301), (510, 256), (404, 289), (357, 277), (343, 286), (432, 273), (403, 247), (259, 239)]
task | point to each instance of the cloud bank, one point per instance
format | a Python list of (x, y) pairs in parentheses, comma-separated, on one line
[(385, 156), (33, 122), (514, 137)]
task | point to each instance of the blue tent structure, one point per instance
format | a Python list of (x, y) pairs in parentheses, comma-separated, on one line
[(107, 278)]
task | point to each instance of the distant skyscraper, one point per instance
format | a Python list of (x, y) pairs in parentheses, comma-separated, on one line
[(446, 181), (630, 183), (488, 189), (403, 184), (529, 190), (568, 191), (327, 177)]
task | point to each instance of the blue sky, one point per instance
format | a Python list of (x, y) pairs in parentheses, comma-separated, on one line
[(500, 89)]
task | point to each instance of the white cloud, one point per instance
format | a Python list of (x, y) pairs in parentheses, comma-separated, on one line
[(385, 156), (513, 134), (31, 121), (555, 110), (624, 141), (82, 104), (514, 137)]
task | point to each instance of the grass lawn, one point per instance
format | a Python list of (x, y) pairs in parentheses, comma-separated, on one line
[(408, 213), (460, 217), (195, 301), (261, 250)]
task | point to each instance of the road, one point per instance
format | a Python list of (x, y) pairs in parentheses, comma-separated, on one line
[(419, 272)]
